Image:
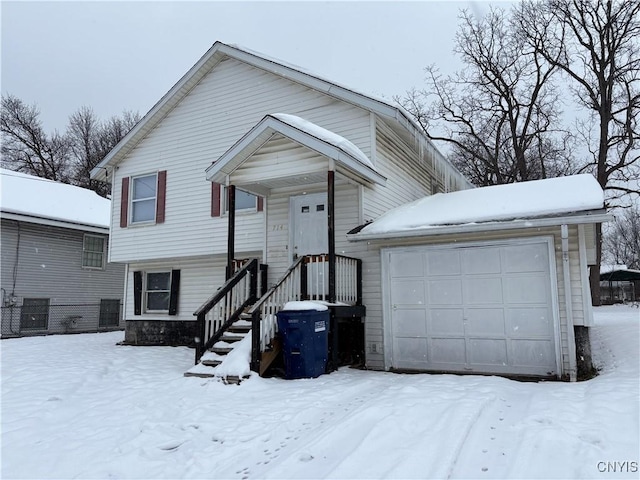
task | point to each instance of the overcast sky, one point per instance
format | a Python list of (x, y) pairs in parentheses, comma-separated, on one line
[(115, 56)]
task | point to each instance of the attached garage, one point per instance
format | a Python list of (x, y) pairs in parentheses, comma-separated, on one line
[(475, 308), (492, 280)]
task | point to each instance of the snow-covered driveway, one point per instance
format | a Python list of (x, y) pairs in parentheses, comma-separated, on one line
[(78, 406)]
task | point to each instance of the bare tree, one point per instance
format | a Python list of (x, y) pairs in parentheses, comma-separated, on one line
[(500, 113), (596, 44), (25, 145), (67, 158), (92, 140), (622, 238), (83, 132)]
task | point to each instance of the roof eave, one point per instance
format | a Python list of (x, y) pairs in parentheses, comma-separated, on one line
[(54, 222), (168, 101), (592, 216), (198, 71)]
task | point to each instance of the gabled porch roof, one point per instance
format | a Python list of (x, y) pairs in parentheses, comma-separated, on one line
[(340, 154)]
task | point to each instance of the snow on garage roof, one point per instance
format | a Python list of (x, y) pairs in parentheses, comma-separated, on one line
[(499, 203), (44, 201)]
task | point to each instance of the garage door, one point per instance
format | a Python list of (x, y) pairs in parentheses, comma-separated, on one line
[(480, 309)]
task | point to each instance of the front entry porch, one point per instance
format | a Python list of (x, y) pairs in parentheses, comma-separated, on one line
[(235, 316), (295, 167)]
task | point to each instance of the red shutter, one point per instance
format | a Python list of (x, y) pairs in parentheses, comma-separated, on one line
[(124, 203), (260, 204), (162, 193), (215, 199)]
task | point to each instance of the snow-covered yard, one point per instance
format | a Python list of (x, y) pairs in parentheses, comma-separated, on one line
[(78, 406)]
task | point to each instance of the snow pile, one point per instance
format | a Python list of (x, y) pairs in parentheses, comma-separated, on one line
[(97, 410), (325, 135), (304, 305), (37, 197), (236, 362), (496, 203)]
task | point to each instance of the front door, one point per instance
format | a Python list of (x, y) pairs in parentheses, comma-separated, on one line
[(309, 224)]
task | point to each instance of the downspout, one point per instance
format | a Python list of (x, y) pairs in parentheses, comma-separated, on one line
[(571, 338)]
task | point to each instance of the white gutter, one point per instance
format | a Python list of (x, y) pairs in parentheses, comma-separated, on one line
[(566, 276), (482, 227)]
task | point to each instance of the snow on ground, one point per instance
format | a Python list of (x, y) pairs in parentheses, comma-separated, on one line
[(78, 406)]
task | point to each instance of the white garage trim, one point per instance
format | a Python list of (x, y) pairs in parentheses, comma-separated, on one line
[(390, 357)]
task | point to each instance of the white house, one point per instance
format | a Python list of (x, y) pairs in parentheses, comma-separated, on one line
[(302, 162)]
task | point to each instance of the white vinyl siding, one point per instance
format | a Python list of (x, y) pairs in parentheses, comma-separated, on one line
[(199, 279), (225, 105), (279, 257), (408, 178)]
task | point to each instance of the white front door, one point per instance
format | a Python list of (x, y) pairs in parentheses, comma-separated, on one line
[(309, 224)]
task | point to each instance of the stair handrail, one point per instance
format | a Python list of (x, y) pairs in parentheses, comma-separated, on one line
[(259, 312), (225, 293)]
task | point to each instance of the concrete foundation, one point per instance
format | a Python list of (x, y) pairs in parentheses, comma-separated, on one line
[(159, 332)]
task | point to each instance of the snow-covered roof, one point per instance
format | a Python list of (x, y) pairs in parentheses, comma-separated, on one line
[(217, 53), (475, 209), (604, 268), (349, 158), (38, 200), (326, 135)]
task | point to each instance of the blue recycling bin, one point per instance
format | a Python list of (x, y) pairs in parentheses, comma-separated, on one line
[(305, 342)]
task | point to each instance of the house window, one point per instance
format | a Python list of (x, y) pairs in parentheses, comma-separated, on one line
[(93, 251), (34, 314), (244, 201), (143, 199), (109, 312), (157, 291)]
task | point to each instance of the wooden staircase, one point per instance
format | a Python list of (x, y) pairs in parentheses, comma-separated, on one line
[(234, 312), (218, 352)]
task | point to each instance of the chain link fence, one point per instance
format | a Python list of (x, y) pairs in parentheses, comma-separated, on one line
[(38, 317)]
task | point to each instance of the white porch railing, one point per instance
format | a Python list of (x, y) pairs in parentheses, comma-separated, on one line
[(306, 279), (348, 273), (225, 306)]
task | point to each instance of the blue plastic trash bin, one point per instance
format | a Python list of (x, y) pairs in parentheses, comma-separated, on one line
[(305, 342)]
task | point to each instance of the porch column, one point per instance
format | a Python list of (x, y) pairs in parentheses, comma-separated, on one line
[(231, 231), (331, 232)]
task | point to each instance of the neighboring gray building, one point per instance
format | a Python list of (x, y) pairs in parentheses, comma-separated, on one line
[(54, 272)]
